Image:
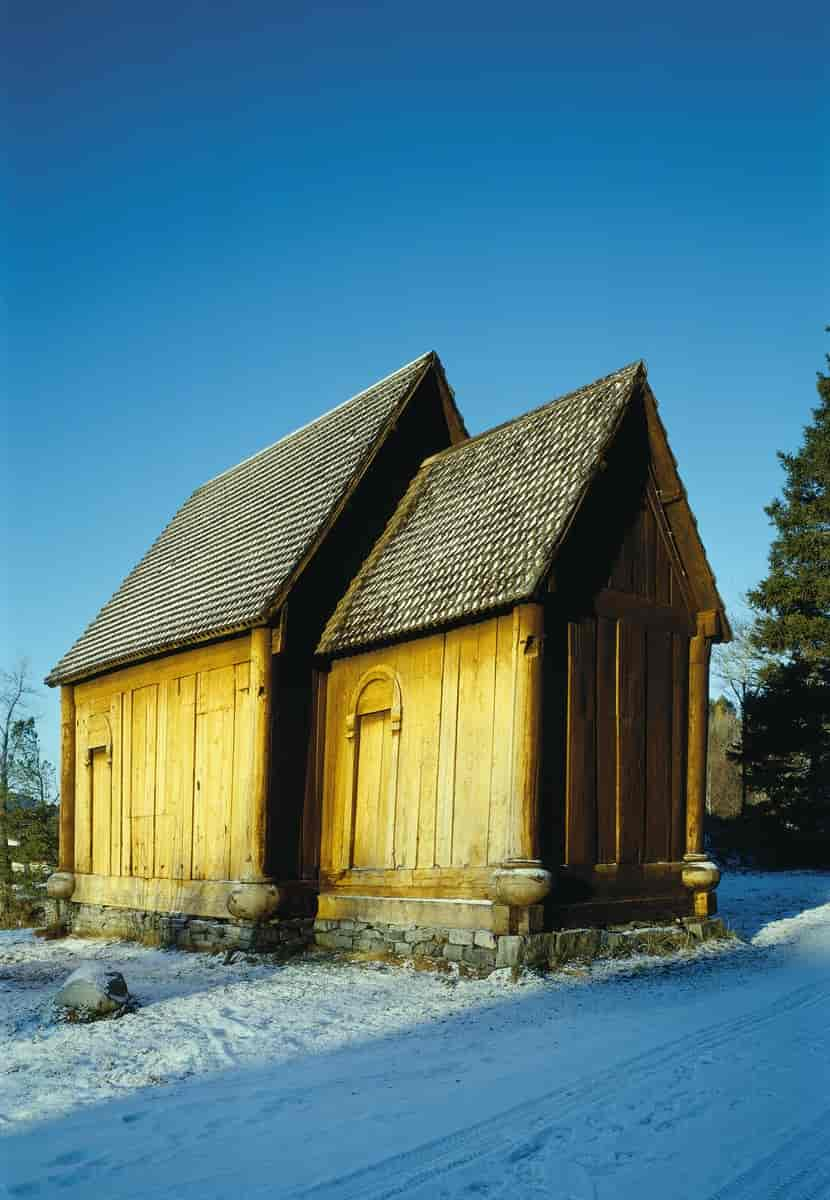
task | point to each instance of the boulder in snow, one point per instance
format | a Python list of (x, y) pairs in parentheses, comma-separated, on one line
[(94, 991)]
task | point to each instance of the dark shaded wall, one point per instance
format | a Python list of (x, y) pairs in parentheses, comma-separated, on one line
[(421, 431), (616, 654)]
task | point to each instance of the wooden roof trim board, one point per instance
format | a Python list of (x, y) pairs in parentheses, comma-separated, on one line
[(665, 532), (680, 519), (457, 429), (395, 596), (160, 607)]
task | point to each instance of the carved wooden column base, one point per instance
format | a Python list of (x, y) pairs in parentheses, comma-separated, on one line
[(701, 877), (60, 885), (521, 882), (254, 901)]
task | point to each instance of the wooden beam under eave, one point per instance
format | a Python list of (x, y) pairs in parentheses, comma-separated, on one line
[(680, 518), (278, 632)]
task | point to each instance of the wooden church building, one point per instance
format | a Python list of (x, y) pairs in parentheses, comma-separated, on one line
[(435, 690)]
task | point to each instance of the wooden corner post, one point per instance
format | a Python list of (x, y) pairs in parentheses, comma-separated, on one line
[(522, 881), (528, 632), (261, 751), (66, 858), (255, 898), (61, 884), (699, 875)]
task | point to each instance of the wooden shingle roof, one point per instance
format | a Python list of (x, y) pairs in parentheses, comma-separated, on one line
[(481, 522), (231, 551)]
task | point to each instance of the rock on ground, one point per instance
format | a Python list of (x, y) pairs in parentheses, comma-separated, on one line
[(94, 990)]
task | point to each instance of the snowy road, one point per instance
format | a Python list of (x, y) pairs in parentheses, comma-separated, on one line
[(704, 1077)]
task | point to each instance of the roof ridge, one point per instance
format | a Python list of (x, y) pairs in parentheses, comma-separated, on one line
[(422, 358), (637, 366)]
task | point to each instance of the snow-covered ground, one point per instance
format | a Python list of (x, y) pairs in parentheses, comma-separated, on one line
[(705, 1075)]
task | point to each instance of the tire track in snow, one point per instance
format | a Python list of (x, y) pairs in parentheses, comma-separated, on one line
[(799, 1169), (533, 1121)]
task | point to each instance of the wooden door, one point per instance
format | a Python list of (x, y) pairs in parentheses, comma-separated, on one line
[(372, 792)]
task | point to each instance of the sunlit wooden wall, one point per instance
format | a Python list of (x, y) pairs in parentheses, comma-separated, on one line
[(163, 758), (433, 793)]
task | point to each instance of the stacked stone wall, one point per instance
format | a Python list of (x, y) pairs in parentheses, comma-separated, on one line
[(477, 948), (487, 951), (285, 936)]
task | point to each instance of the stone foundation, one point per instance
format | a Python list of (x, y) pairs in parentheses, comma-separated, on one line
[(286, 935), (486, 951), (477, 948)]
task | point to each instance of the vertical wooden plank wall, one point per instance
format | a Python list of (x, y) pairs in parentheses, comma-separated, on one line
[(680, 725), (454, 757), (606, 718), (580, 786), (626, 743), (631, 743), (170, 803), (474, 744), (627, 708), (659, 746)]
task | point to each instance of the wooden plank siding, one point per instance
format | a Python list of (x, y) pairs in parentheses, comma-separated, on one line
[(581, 785), (631, 742), (165, 798), (627, 704), (453, 759), (658, 729), (680, 730), (474, 742), (626, 739), (606, 743)]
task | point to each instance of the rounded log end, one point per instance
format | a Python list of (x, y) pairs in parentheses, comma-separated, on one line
[(521, 884), (254, 901), (60, 885)]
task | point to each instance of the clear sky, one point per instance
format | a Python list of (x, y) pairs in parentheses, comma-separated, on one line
[(224, 219)]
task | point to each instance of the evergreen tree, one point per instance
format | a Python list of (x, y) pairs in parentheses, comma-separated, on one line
[(793, 602), (787, 738)]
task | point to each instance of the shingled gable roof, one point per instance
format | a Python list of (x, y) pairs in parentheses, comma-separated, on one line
[(230, 553), (482, 521)]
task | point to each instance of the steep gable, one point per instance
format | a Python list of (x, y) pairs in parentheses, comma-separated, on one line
[(231, 552), (483, 521)]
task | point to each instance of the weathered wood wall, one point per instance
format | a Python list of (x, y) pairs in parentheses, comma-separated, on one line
[(618, 621), (627, 687), (162, 767), (431, 797)]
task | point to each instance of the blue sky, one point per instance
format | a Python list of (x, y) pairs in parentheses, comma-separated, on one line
[(225, 219)]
